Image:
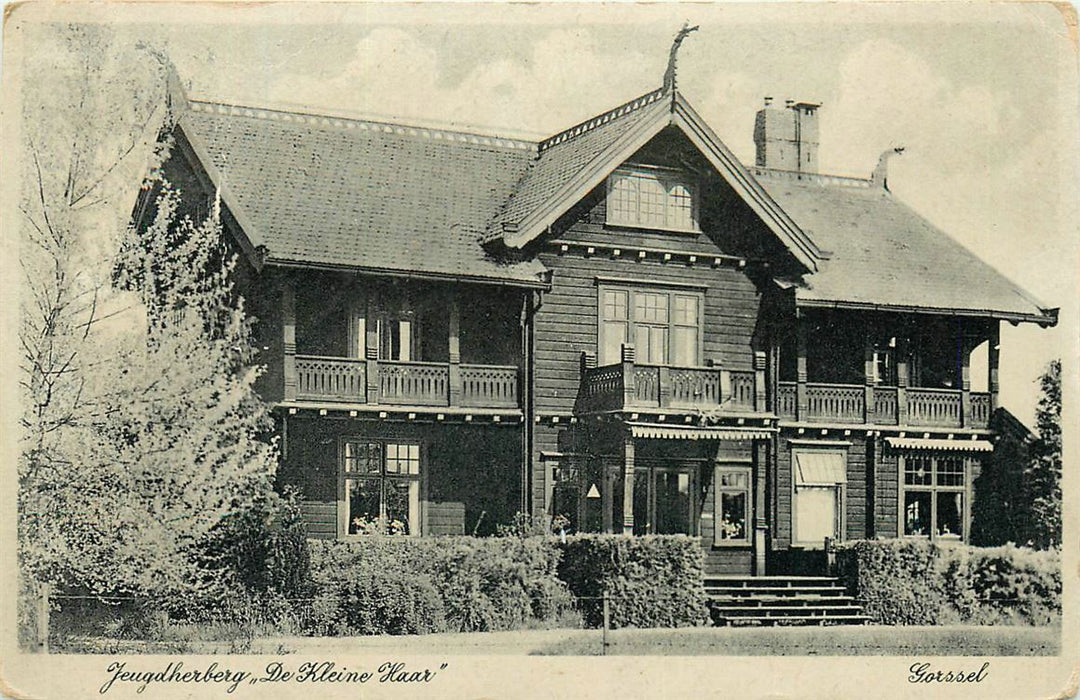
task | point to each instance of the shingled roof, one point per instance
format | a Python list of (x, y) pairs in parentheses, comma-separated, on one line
[(883, 254), (359, 194)]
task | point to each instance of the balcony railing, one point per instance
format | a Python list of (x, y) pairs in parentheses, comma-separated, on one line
[(914, 406), (628, 385), (340, 379)]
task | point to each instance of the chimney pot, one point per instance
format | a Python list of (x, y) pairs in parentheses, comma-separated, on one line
[(768, 100)]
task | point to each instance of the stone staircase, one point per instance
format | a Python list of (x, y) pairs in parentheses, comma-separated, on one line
[(780, 600)]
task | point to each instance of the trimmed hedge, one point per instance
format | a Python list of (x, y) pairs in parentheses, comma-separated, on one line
[(406, 585), (914, 582), (652, 581)]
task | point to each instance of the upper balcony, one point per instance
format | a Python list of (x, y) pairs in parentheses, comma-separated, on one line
[(887, 370), (628, 385), (399, 343)]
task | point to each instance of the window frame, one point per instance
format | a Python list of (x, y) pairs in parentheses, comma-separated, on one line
[(934, 489), (746, 470), (655, 173), (630, 324), (415, 523), (839, 490)]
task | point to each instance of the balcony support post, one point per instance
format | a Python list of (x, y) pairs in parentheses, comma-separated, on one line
[(802, 399), (663, 390), (759, 381), (629, 382), (993, 358), (965, 382), (454, 345), (761, 525), (288, 331), (371, 352), (628, 484), (868, 373), (901, 388)]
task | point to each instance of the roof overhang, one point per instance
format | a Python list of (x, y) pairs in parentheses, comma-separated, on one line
[(677, 112), (899, 443), (541, 284), (1046, 319)]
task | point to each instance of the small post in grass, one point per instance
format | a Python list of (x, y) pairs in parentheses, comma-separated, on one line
[(607, 620), (43, 618)]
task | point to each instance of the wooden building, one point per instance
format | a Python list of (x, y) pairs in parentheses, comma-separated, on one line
[(621, 324)]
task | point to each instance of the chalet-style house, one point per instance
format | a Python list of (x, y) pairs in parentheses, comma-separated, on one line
[(621, 324)]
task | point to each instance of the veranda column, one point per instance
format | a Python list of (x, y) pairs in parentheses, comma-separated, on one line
[(759, 381), (371, 351), (454, 343), (965, 381), (628, 485), (901, 383), (993, 358), (802, 401), (868, 378), (288, 330), (761, 460)]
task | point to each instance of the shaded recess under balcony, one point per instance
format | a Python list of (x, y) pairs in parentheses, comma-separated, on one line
[(403, 343), (924, 370)]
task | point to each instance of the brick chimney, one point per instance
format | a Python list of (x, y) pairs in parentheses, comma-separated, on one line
[(787, 137)]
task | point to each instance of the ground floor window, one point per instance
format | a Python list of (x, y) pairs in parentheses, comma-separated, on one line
[(818, 496), (934, 496), (380, 487), (732, 507)]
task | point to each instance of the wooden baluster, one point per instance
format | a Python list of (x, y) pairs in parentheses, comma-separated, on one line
[(288, 329)]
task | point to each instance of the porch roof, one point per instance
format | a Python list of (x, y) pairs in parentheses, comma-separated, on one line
[(671, 432), (884, 254), (935, 444), (327, 191)]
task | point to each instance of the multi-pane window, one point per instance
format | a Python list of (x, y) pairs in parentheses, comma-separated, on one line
[(732, 510), (933, 496), (651, 198), (381, 487), (820, 476), (665, 327)]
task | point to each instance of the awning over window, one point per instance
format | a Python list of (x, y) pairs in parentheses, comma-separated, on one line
[(947, 445), (815, 468), (674, 432)]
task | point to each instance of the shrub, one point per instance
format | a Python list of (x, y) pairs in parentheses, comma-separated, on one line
[(915, 582), (653, 581), (475, 584)]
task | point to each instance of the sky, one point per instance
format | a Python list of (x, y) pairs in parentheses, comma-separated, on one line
[(982, 97)]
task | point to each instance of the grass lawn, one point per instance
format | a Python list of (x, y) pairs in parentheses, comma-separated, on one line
[(869, 640)]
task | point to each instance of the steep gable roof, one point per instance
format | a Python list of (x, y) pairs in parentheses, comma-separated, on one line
[(327, 191), (883, 254), (576, 160)]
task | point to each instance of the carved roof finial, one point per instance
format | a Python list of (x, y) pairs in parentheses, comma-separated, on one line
[(880, 175), (669, 74)]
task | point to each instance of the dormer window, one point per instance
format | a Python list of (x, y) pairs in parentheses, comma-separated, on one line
[(650, 197)]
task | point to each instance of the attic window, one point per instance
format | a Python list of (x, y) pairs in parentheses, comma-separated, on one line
[(647, 197)]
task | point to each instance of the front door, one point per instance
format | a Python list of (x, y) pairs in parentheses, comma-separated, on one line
[(665, 500)]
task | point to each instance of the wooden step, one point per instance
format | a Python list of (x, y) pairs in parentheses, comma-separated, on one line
[(773, 591), (802, 620), (785, 601), (779, 611)]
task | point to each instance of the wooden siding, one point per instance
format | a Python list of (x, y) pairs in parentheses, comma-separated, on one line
[(447, 518), (886, 495), (320, 519), (857, 498), (566, 322)]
